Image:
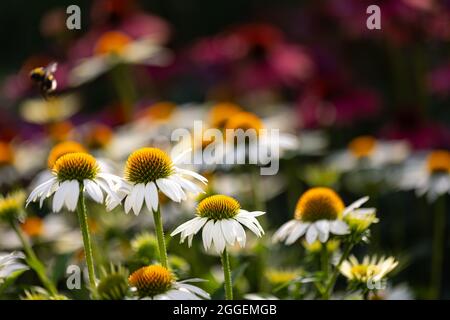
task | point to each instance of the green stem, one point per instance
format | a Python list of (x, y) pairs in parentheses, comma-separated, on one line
[(329, 288), (324, 261), (227, 275), (160, 236), (34, 261), (438, 247), (82, 219)]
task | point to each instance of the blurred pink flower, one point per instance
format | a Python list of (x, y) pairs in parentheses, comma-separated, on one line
[(439, 80), (422, 134)]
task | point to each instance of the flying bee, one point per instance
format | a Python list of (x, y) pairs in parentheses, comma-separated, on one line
[(45, 79)]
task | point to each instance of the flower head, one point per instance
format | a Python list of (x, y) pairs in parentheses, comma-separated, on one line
[(11, 206), (318, 213), (221, 113), (439, 162), (112, 42), (113, 284), (245, 121), (73, 173), (149, 170), (6, 154), (157, 282), (62, 149), (362, 146), (370, 269), (221, 219)]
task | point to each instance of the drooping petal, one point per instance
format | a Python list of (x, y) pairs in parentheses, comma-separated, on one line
[(138, 199), (93, 190), (151, 196), (228, 231), (339, 227), (296, 232), (207, 234), (73, 192), (59, 197), (311, 234)]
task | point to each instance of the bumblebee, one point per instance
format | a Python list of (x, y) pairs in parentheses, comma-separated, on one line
[(44, 78)]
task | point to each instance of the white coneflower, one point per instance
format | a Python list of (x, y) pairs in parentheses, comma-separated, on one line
[(156, 282), (370, 269), (73, 175), (319, 213), (369, 152), (221, 219), (149, 170), (113, 48), (429, 175)]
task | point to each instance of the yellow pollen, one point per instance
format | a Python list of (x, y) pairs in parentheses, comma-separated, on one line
[(112, 42), (218, 207), (362, 146), (364, 272), (61, 149), (148, 164), (221, 113), (6, 154), (33, 226), (319, 203), (76, 166), (245, 121), (99, 136), (160, 111), (439, 161), (151, 280)]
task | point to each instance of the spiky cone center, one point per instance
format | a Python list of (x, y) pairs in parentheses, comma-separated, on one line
[(6, 154), (318, 204), (218, 207), (76, 166), (245, 121), (363, 146), (148, 164), (160, 111), (221, 113), (112, 42), (62, 149), (151, 280), (33, 226), (439, 161)]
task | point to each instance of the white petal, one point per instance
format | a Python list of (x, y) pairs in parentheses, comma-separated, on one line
[(339, 227), (72, 195), (151, 197), (311, 234), (297, 231), (358, 203), (218, 237), (228, 231), (93, 190), (323, 226), (250, 223), (59, 197), (207, 234), (284, 230), (240, 233), (138, 199), (167, 188), (192, 174)]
